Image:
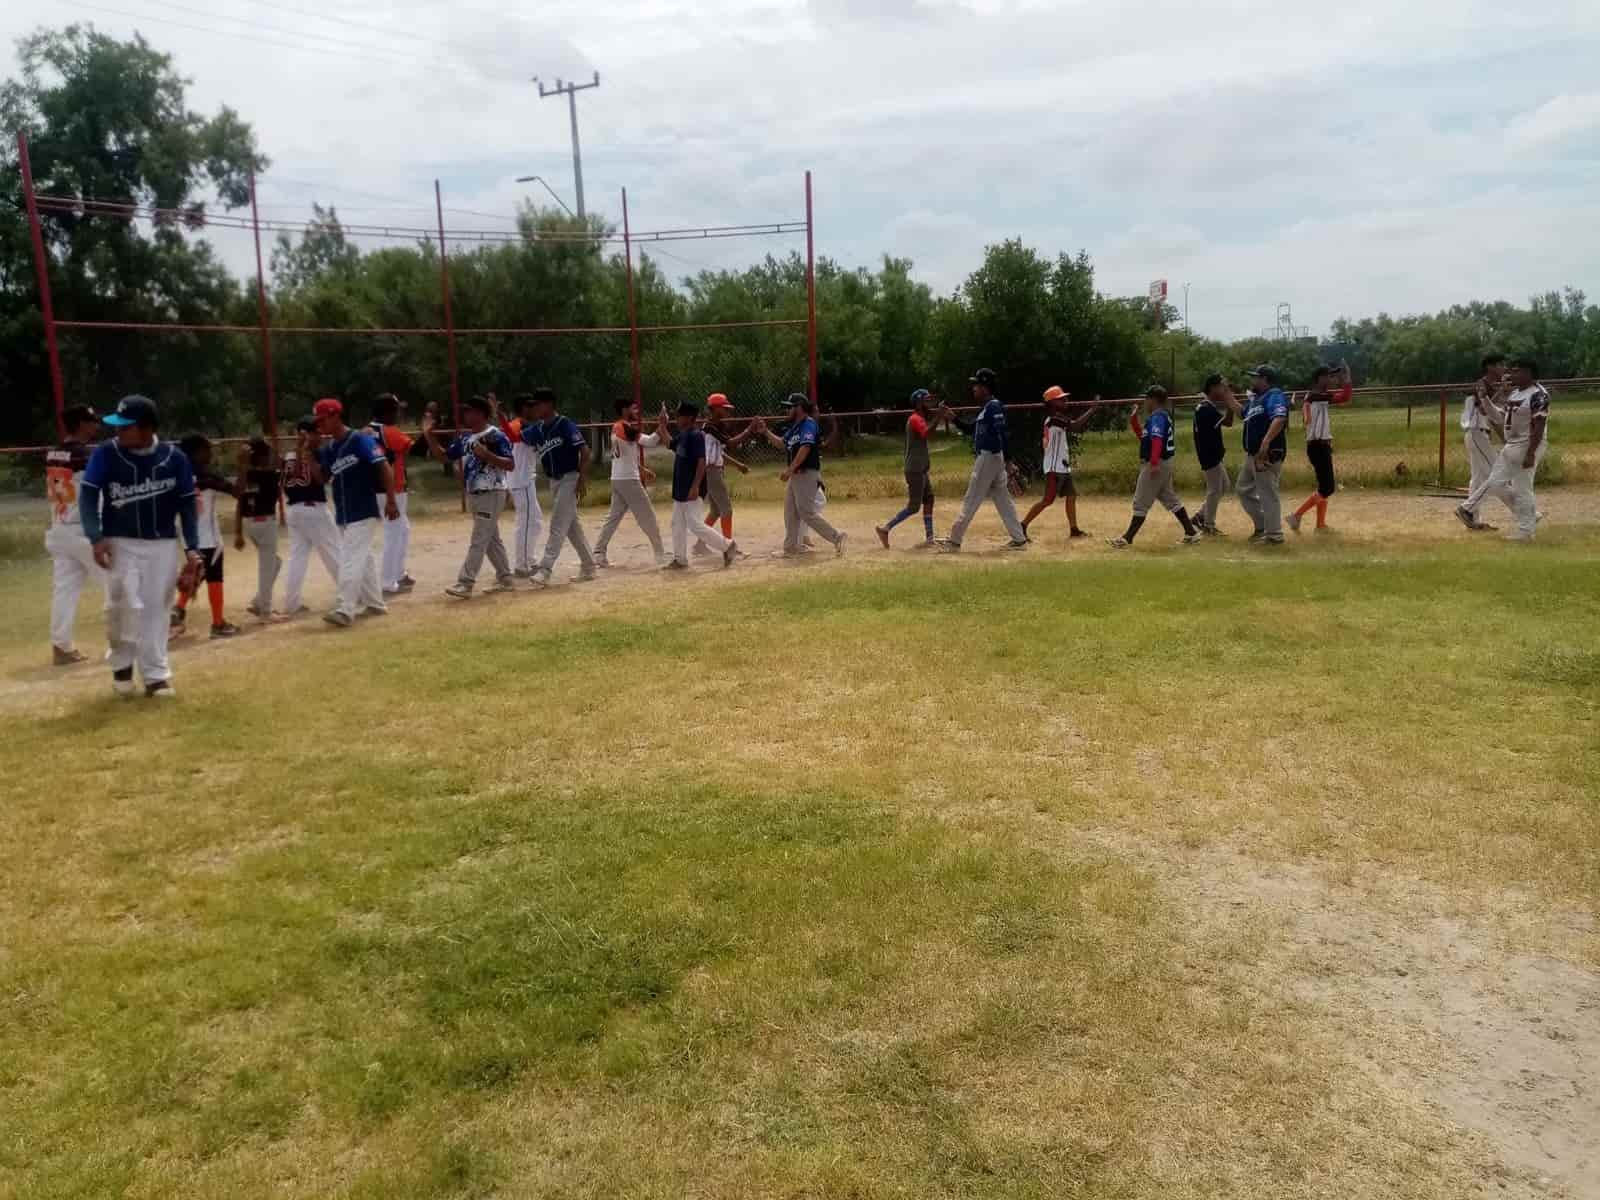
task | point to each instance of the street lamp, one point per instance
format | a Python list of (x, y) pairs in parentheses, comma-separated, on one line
[(540, 181)]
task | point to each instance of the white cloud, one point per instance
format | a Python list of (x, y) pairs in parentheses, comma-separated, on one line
[(1568, 120)]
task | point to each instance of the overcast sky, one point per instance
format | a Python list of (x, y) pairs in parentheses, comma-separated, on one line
[(1346, 157)]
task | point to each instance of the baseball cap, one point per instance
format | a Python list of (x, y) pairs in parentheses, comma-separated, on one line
[(1264, 371), (984, 376), (327, 407), (799, 398), (918, 396), (688, 409), (1156, 392), (132, 410), (1056, 393), (718, 400)]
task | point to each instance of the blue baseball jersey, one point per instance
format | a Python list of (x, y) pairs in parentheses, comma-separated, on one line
[(557, 442), (1259, 415), (138, 494), (989, 432), (805, 433), (1159, 428), (688, 448), (481, 476), (350, 465)]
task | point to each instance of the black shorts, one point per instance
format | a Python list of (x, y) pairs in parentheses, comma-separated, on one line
[(213, 559), (1320, 454), (1062, 481)]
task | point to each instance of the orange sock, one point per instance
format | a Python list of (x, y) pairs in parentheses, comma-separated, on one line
[(727, 528), (1311, 502), (183, 601), (1322, 512), (214, 595), (711, 518)]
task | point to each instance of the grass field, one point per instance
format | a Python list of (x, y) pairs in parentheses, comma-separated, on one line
[(1173, 874)]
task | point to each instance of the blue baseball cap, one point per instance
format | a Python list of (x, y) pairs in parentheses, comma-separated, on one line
[(918, 396), (132, 410)]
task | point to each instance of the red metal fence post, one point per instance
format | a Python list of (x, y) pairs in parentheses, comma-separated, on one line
[(41, 264), (449, 320), (811, 294), (1444, 403), (633, 317), (261, 312)]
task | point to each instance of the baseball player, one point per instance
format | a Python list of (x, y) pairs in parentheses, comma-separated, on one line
[(1057, 461), (1524, 417), (1329, 386), (71, 557), (311, 526), (802, 442), (260, 512), (918, 467), (387, 412), (1492, 386), (564, 452), (990, 471), (484, 452), (1158, 443), (358, 470), (1265, 444), (209, 489), (629, 479), (720, 438), (136, 489), (1215, 410), (688, 485), (522, 490)]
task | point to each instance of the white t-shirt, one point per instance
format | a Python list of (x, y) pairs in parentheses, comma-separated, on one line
[(625, 455), (716, 452), (523, 470), (1523, 407), (205, 518), (1057, 453)]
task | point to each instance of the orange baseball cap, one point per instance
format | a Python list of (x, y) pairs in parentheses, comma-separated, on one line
[(718, 400), (1056, 393), (328, 408)]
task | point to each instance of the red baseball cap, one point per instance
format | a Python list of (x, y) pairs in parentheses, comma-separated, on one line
[(327, 408), (718, 400)]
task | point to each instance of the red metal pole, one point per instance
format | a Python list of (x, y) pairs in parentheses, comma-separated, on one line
[(811, 292), (261, 312), (449, 320), (1444, 403), (633, 317), (41, 265)]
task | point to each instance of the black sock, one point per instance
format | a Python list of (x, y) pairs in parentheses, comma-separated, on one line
[(1183, 519), (1133, 528)]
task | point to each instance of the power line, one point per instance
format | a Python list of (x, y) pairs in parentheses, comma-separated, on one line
[(278, 29), (368, 26), (245, 37)]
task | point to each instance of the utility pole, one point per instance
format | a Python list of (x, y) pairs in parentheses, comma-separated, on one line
[(1186, 308), (571, 90)]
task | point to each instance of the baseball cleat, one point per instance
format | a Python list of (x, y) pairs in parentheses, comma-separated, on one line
[(375, 610), (1293, 521), (342, 619), (1077, 533), (731, 553), (499, 586), (226, 630), (675, 565), (587, 575), (1464, 515), (1192, 539), (946, 546), (160, 690), (1256, 538), (540, 578), (1016, 545), (601, 561), (883, 535), (122, 682), (459, 591), (66, 658), (700, 550), (838, 546), (1118, 543), (407, 583)]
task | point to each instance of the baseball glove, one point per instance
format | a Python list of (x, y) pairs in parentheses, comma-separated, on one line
[(189, 576)]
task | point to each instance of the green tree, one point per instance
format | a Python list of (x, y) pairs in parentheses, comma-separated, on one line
[(107, 121)]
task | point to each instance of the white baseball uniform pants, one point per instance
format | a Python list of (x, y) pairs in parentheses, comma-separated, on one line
[(139, 590), (689, 519), (988, 482), (1511, 483), (1480, 458), (311, 528), (358, 570), (527, 528), (71, 566), (396, 542)]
